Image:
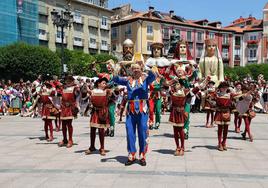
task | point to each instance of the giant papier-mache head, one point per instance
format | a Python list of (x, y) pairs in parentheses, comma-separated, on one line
[(211, 47), (157, 49), (128, 50), (182, 49)]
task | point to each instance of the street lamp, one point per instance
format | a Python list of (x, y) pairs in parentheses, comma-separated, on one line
[(62, 19)]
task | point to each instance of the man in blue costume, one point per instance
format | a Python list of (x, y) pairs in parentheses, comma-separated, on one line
[(137, 110)]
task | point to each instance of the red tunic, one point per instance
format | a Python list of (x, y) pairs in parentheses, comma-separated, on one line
[(177, 113), (68, 103), (48, 109), (223, 108), (100, 115)]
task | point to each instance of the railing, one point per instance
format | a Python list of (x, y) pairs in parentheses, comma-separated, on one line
[(93, 23), (225, 56), (93, 45), (58, 39), (44, 37), (79, 19), (225, 42), (78, 43), (104, 47), (237, 57), (104, 27)]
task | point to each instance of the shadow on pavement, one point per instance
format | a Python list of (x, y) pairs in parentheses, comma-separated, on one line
[(41, 138), (165, 151), (165, 135), (214, 147), (120, 159)]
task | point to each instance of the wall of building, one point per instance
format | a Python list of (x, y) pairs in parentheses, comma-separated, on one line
[(87, 33)]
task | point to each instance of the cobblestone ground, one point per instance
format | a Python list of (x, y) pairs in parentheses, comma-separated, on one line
[(28, 160)]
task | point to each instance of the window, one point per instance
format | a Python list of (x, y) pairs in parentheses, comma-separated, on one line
[(177, 31), (77, 39), (212, 35), (149, 46), (189, 36), (199, 48), (77, 15), (42, 32), (225, 53), (252, 54), (104, 21), (150, 30), (128, 29), (104, 43), (190, 45), (166, 32), (253, 37), (113, 47), (59, 34), (199, 36), (92, 41), (237, 41), (225, 38), (114, 32)]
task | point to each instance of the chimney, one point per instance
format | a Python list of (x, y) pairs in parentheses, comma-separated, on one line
[(151, 8), (171, 13)]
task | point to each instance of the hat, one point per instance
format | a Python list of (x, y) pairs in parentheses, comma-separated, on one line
[(223, 84), (100, 80), (211, 82), (157, 45), (238, 83), (69, 77)]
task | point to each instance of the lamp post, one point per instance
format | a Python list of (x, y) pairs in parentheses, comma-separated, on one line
[(63, 20)]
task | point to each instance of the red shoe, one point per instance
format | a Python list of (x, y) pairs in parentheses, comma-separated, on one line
[(62, 143), (182, 152), (177, 152), (220, 148), (50, 139), (70, 144), (102, 152)]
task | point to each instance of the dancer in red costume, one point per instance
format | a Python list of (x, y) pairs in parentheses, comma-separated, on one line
[(69, 110), (223, 114), (100, 114)]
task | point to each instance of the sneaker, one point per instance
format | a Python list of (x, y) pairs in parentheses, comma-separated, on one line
[(111, 133), (129, 162)]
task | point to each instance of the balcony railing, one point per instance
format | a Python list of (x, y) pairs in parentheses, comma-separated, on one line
[(44, 37), (225, 56), (93, 45), (78, 43), (237, 57), (225, 43), (79, 19), (58, 39), (252, 58), (166, 36), (93, 23), (104, 47), (104, 27)]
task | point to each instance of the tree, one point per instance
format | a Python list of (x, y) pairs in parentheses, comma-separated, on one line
[(21, 60)]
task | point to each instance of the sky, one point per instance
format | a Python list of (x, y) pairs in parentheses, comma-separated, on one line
[(214, 10)]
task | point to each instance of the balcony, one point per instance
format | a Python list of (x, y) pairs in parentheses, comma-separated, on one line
[(105, 27), (58, 39), (44, 37), (237, 58), (166, 36), (104, 47), (225, 56), (252, 59), (252, 43), (93, 45), (78, 19), (78, 42), (225, 43), (43, 10)]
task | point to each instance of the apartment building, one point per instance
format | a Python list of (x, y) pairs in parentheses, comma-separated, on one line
[(90, 31), (144, 28)]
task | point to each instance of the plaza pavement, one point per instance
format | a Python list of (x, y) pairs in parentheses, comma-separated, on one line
[(27, 160)]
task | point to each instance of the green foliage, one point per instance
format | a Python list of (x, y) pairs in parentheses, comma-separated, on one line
[(102, 58), (20, 60), (238, 73), (79, 63)]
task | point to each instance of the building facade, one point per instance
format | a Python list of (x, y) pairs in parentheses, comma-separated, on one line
[(18, 21), (241, 43), (90, 31)]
